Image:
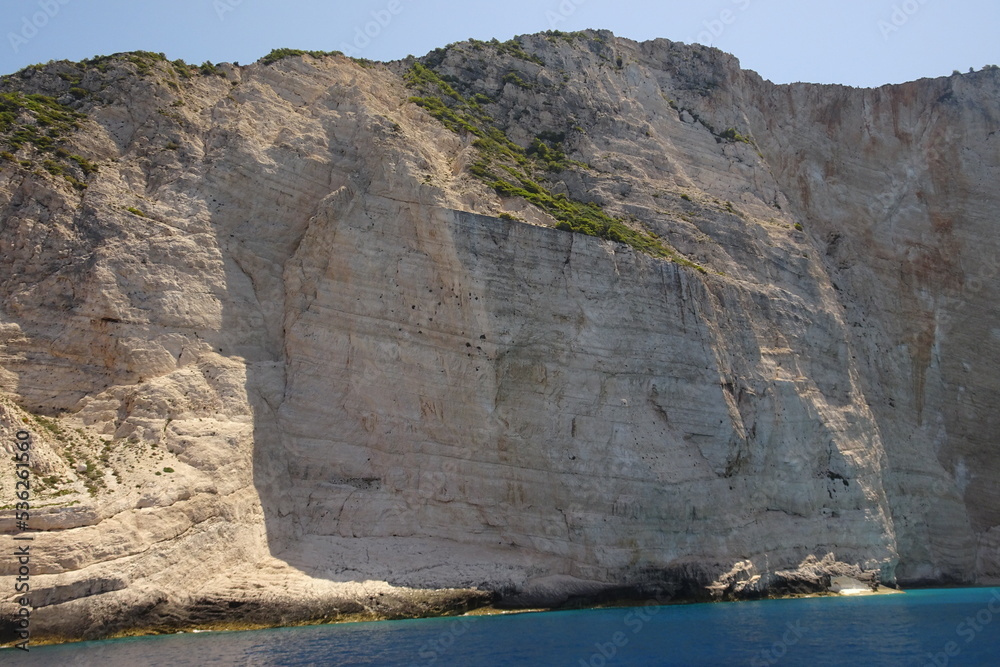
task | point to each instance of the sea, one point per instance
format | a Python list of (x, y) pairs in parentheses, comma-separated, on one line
[(922, 628)]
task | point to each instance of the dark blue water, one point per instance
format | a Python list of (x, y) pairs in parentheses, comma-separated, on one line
[(938, 627)]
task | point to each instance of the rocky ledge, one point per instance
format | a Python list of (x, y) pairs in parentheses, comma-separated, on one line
[(547, 322)]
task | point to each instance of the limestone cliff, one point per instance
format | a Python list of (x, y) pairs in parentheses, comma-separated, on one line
[(290, 347)]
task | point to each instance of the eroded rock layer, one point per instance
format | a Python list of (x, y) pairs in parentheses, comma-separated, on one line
[(286, 356)]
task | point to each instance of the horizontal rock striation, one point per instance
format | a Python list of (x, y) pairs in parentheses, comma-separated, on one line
[(286, 356)]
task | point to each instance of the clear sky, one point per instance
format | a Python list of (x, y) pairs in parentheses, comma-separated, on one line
[(855, 42)]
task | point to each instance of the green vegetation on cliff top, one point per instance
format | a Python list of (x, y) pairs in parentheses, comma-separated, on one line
[(513, 171), (41, 123)]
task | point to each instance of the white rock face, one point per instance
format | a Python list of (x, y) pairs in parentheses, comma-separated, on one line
[(901, 218), (282, 361)]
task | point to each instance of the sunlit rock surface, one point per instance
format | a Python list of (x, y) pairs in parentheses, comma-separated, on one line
[(282, 360)]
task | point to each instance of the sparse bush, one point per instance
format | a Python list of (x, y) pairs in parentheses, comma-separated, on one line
[(568, 37), (46, 112), (512, 171), (144, 61), (208, 69), (54, 168), (182, 69), (515, 78), (732, 135), (86, 165), (278, 54), (514, 48)]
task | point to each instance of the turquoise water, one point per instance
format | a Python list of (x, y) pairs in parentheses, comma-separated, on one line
[(935, 627)]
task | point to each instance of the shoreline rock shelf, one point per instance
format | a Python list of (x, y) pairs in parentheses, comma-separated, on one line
[(560, 321)]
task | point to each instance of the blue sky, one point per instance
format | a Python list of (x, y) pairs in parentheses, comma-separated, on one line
[(855, 42)]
